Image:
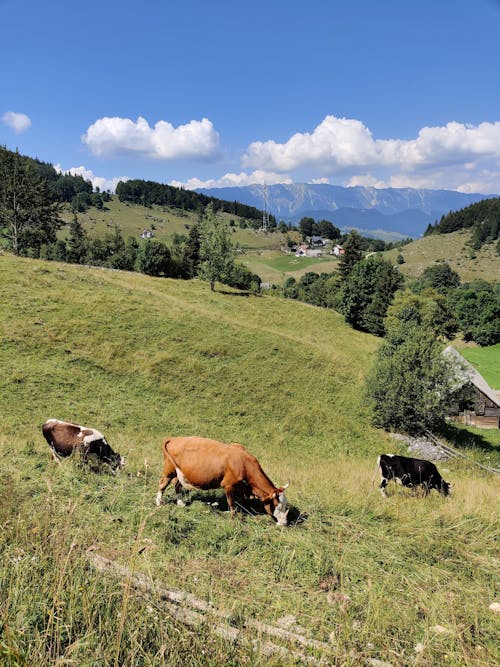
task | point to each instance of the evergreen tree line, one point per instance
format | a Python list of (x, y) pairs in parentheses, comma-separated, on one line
[(482, 218), (148, 193), (59, 188), (363, 289)]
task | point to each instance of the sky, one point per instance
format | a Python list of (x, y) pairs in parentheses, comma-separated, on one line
[(213, 93)]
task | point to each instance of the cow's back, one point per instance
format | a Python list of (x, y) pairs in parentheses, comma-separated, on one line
[(205, 462), (61, 436)]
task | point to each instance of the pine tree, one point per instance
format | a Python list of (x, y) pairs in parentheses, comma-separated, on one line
[(28, 216), (353, 254)]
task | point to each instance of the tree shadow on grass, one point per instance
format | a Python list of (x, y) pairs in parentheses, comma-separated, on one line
[(463, 438)]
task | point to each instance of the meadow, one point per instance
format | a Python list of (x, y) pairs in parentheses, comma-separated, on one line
[(486, 360), (402, 581), (451, 248)]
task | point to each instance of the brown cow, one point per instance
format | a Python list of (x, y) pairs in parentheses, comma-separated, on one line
[(201, 463), (64, 438)]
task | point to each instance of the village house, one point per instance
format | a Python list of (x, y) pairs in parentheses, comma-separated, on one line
[(147, 234), (337, 250), (477, 404)]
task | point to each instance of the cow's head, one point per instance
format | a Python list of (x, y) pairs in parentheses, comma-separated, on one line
[(113, 459), (445, 488), (279, 506)]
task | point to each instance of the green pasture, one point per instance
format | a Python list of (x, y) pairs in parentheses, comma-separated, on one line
[(165, 222), (405, 580), (487, 362), (275, 267), (453, 249)]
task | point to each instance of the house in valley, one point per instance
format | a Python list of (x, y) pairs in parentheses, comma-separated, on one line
[(477, 403)]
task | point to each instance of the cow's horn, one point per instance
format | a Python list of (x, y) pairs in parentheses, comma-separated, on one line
[(286, 485)]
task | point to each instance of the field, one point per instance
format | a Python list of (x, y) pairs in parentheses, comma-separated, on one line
[(405, 581), (453, 249), (486, 360), (275, 267), (165, 222)]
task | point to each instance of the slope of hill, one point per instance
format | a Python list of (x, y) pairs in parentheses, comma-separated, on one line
[(142, 358), (455, 249), (404, 210)]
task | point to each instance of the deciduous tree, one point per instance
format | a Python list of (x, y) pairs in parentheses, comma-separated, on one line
[(217, 250)]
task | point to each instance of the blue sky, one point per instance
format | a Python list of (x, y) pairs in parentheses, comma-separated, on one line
[(388, 93)]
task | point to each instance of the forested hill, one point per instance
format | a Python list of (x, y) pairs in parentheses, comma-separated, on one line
[(148, 193), (78, 192), (482, 218)]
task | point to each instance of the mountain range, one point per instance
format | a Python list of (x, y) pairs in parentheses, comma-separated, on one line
[(389, 213)]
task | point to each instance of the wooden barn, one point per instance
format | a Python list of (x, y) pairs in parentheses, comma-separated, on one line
[(478, 404)]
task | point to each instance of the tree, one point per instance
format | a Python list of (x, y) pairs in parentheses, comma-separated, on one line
[(428, 309), (327, 229), (411, 385), (352, 254), (77, 242), (28, 216), (367, 292), (125, 258), (153, 259), (217, 250), (477, 309), (306, 226), (441, 277)]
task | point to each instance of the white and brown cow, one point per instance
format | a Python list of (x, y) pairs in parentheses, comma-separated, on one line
[(202, 463), (65, 438)]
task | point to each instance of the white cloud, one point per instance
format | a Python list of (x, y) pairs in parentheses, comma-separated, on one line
[(97, 181), (115, 136), (456, 154), (19, 122), (234, 180)]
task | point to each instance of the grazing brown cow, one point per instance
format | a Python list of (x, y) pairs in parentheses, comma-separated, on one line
[(65, 438), (201, 463)]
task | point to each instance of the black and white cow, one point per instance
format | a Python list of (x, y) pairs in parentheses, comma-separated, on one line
[(411, 472), (64, 438)]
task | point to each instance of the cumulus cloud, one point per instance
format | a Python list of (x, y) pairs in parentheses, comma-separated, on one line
[(119, 136), (19, 122), (97, 181), (234, 180), (456, 153)]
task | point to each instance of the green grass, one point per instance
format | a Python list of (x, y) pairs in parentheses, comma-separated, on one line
[(453, 249), (141, 358), (132, 219), (275, 267), (487, 362)]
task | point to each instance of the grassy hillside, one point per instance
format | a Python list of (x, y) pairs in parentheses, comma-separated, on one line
[(404, 580), (164, 221), (453, 249)]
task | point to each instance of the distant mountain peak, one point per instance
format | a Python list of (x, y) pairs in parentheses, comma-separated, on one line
[(400, 211)]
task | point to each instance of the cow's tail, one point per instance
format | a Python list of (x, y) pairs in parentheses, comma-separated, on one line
[(167, 454)]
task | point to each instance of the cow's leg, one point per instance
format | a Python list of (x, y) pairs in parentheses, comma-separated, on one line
[(165, 480), (53, 456), (382, 487), (230, 500), (178, 496)]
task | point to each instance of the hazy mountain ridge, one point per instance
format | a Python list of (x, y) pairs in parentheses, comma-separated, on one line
[(406, 211)]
